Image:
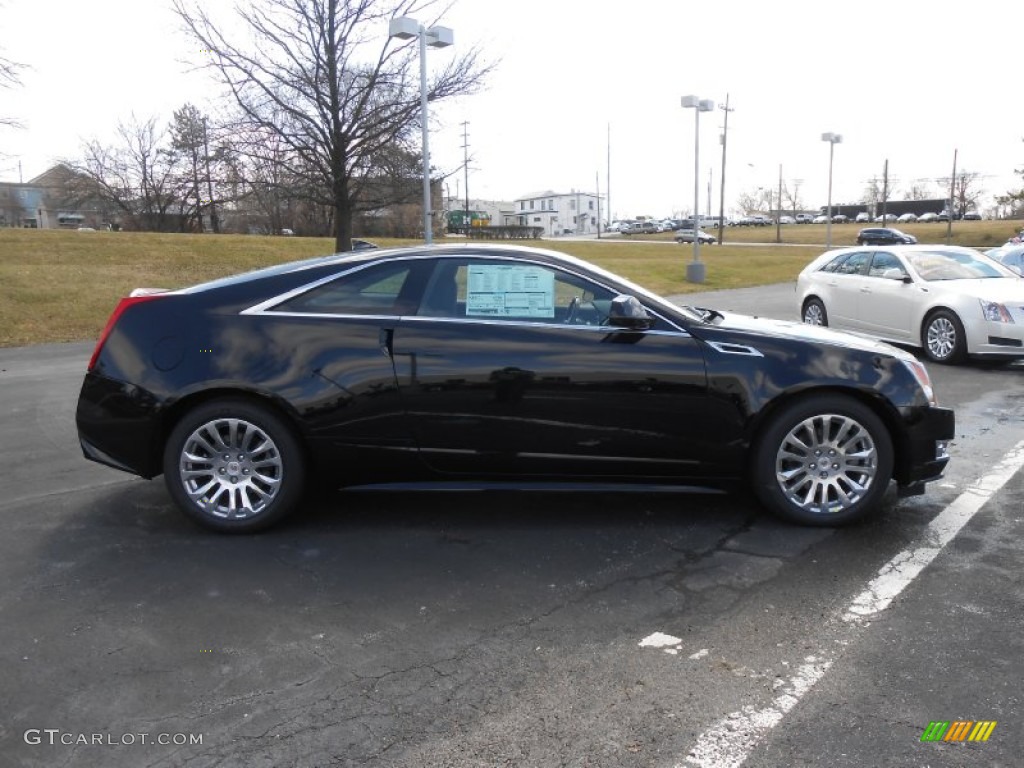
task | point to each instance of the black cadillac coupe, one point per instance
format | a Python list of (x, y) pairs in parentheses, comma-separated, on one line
[(479, 366)]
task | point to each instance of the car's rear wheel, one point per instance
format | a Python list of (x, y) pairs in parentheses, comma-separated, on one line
[(943, 337), (814, 312), (234, 466), (823, 460)]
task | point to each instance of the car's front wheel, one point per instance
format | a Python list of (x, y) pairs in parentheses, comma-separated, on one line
[(814, 312), (823, 460), (943, 337), (234, 466)]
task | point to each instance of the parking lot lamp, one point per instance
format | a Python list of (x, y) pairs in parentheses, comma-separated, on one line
[(695, 270), (832, 139), (406, 28)]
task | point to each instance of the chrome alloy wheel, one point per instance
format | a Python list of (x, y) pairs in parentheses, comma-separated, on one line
[(814, 314), (230, 468), (941, 337), (826, 463)]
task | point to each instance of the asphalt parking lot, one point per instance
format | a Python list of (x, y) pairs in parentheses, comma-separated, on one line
[(502, 629)]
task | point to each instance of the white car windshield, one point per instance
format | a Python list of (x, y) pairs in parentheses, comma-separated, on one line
[(953, 265)]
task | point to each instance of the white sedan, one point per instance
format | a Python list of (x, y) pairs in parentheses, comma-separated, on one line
[(950, 301)]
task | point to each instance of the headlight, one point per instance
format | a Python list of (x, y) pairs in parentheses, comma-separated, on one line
[(916, 367), (995, 312)]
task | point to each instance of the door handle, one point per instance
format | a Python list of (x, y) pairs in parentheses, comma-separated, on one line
[(386, 339)]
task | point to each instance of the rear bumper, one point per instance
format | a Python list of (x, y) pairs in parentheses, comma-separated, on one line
[(924, 456), (119, 426)]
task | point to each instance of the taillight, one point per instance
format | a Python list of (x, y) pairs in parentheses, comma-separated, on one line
[(112, 321)]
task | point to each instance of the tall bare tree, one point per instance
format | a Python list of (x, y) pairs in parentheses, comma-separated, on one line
[(966, 191), (324, 79)]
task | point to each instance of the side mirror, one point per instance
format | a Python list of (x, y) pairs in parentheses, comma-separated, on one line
[(894, 273), (627, 312)]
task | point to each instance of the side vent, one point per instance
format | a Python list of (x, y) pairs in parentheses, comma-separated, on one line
[(735, 349)]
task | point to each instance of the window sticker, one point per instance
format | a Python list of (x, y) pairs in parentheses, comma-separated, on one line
[(510, 290)]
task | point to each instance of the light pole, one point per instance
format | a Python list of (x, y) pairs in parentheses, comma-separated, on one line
[(832, 139), (695, 270), (406, 28)]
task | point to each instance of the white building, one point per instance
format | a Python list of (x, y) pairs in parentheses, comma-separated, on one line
[(560, 213)]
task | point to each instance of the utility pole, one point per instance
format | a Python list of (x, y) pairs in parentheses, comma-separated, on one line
[(885, 190), (467, 218), (952, 194), (608, 175), (778, 213), (721, 182), (214, 221), (597, 189)]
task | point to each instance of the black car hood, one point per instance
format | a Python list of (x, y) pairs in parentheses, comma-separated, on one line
[(788, 329)]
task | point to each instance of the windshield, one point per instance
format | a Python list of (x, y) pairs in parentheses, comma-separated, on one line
[(954, 265)]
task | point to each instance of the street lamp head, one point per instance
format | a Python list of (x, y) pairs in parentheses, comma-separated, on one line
[(403, 27), (440, 37), (706, 105), (832, 138), (690, 101)]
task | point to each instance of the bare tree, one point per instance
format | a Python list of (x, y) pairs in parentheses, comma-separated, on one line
[(966, 191), (755, 200), (920, 190), (315, 75), (791, 194), (138, 178), (10, 77)]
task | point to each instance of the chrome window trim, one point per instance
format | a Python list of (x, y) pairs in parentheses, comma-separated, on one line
[(266, 307)]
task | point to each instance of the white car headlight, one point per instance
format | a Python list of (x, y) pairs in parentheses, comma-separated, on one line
[(995, 312)]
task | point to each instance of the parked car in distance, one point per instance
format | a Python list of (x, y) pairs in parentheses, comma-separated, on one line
[(927, 217), (952, 302), (640, 228), (906, 218), (804, 218), (1011, 256), (862, 218), (823, 219), (493, 366), (840, 218), (884, 218), (972, 216), (787, 220), (884, 236), (687, 235)]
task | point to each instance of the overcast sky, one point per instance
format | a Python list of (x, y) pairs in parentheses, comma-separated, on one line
[(906, 81)]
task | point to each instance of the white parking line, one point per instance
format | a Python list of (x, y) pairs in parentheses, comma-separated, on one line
[(729, 742)]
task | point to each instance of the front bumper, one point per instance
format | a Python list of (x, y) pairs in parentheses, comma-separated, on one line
[(923, 455)]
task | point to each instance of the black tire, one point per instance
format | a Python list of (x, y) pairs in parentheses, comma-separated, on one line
[(799, 471), (943, 338), (253, 484), (814, 313)]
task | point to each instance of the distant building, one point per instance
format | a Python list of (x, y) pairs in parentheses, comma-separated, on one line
[(559, 213), (43, 203)]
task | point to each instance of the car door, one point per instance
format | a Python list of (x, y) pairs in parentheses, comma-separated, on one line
[(509, 367), (886, 302), (842, 290)]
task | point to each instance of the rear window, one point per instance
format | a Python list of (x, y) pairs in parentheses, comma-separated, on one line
[(383, 289)]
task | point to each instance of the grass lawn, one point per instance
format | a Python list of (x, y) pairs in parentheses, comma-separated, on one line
[(62, 285)]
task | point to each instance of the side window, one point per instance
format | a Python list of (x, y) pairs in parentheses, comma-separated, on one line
[(855, 265), (886, 265), (383, 289), (516, 291), (836, 264)]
